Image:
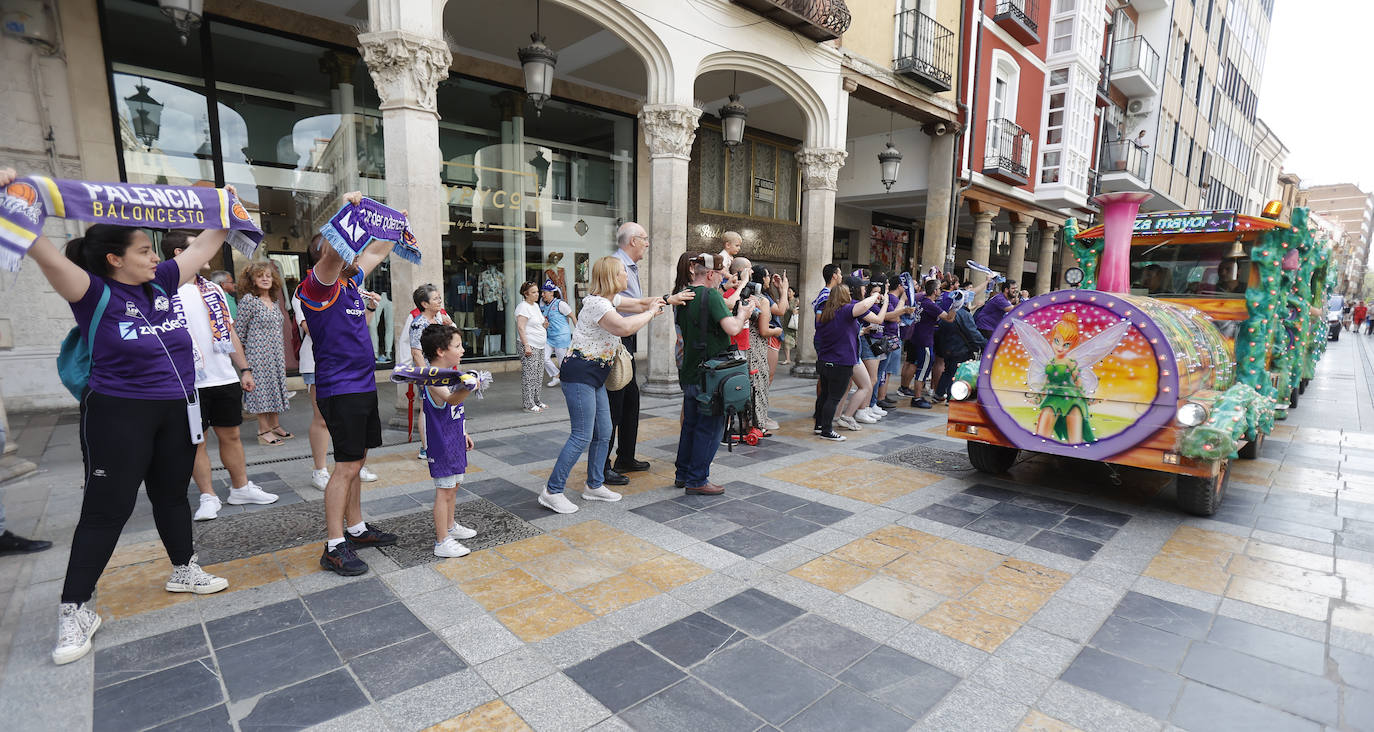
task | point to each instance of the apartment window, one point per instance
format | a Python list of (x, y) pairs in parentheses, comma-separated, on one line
[(1173, 147), (1183, 64), (1202, 170), (1054, 121), (1221, 37), (1063, 35), (1059, 77), (1063, 6), (1049, 167), (1207, 23), (1201, 80), (1006, 80)]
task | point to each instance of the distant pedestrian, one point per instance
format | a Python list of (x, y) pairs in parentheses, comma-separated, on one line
[(559, 315), (1358, 314), (259, 326), (532, 327)]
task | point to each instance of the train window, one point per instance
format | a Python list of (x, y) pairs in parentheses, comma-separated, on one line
[(1202, 270)]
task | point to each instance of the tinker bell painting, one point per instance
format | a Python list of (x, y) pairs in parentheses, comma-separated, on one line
[(1083, 372)]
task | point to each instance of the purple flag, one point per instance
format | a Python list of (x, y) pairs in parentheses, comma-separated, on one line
[(26, 202), (355, 226)]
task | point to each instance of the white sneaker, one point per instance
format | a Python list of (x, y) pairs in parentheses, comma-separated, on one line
[(75, 626), (556, 502), (450, 548), (320, 478), (600, 493), (771, 424), (367, 476), (863, 417), (459, 531), (190, 577), (209, 507), (848, 423), (877, 411), (553, 382), (250, 493)]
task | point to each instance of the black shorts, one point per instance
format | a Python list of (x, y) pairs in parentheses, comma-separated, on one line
[(354, 424), (221, 406)]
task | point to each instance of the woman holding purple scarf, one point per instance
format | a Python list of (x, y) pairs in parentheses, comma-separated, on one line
[(137, 410)]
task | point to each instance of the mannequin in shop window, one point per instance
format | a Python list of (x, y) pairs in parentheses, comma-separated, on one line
[(462, 287), (380, 327), (491, 298), (554, 272)]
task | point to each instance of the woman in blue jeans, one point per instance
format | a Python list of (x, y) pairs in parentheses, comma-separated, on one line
[(583, 375)]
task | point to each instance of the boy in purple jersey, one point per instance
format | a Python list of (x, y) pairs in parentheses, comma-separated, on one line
[(346, 393), (448, 441)]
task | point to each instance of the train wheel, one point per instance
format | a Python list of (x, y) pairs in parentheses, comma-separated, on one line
[(1293, 399), (1302, 386), (1202, 496), (1252, 448), (992, 459)]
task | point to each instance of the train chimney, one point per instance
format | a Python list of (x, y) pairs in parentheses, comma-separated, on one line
[(1118, 221)]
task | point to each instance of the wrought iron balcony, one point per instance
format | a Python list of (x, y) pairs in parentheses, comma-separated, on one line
[(1121, 158), (1008, 153), (925, 50), (1017, 17), (819, 20), (1135, 67)]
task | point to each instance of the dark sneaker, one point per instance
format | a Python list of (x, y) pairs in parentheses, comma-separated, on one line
[(710, 489), (921, 404), (817, 429), (371, 536), (615, 478), (342, 560), (887, 404), (679, 484), (15, 544), (831, 435), (905, 391), (630, 466)]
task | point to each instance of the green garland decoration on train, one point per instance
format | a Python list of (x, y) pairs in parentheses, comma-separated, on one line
[(1088, 254), (1239, 413)]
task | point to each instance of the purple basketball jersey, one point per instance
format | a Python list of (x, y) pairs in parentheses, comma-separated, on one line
[(446, 443)]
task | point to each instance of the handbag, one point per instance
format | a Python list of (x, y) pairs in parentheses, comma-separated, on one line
[(622, 369)]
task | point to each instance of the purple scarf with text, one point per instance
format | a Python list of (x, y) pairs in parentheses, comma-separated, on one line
[(27, 202), (477, 381), (355, 226)]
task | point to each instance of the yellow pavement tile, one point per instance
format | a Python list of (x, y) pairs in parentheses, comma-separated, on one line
[(504, 588), (653, 428), (610, 595), (1284, 555), (867, 553), (249, 571), (1297, 578), (299, 561), (1038, 721), (143, 551), (1196, 553), (933, 575), (400, 468), (588, 533), (895, 596), (904, 538), (1358, 618), (668, 571), (1253, 472), (624, 553), (832, 574), (876, 493), (531, 548), (542, 617), (1010, 601), (967, 557), (494, 716), (568, 570), (1209, 539), (970, 625), (1029, 574), (1189, 573), (138, 588), (477, 564), (1275, 597)]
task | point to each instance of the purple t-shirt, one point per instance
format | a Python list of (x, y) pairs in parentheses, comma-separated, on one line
[(837, 341), (925, 327), (890, 327), (446, 445), (992, 312), (127, 359), (337, 320)]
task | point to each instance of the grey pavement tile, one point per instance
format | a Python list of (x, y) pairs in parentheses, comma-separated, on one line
[(742, 512), (1270, 645), (762, 679), (580, 643), (1093, 712), (1002, 529), (698, 502), (973, 707), (845, 708), (777, 501), (214, 719), (1352, 668), (787, 528), (968, 502), (755, 612), (861, 617), (709, 590), (306, 703), (708, 555), (1083, 529), (1292, 528), (1303, 694), (820, 513), (443, 607), (787, 557), (691, 639), (938, 650), (746, 542), (371, 717), (515, 670), (1165, 615), (983, 490), (224, 604), (749, 571), (274, 661), (825, 540), (624, 676), (1069, 619), (741, 489), (1091, 593), (144, 702), (702, 526), (393, 504), (947, 515), (1042, 503), (1141, 687), (155, 653), (412, 581), (354, 597), (1204, 708), (1039, 651), (650, 614), (556, 704), (821, 643), (689, 706), (405, 665), (1357, 708), (1141, 643), (376, 628), (1178, 594), (1069, 546), (1294, 542), (1308, 628), (256, 623), (1011, 680), (663, 511)]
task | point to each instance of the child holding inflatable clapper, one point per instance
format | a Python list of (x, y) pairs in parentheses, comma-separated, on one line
[(448, 441)]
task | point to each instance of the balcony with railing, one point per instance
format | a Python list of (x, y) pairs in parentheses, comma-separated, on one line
[(1008, 154), (925, 50), (1017, 17), (1136, 69), (819, 20), (1125, 166)]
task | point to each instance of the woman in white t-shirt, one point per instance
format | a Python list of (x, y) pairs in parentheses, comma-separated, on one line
[(531, 325)]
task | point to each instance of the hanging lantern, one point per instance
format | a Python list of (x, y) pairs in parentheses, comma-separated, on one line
[(538, 61), (185, 15), (732, 118), (145, 114), (890, 160)]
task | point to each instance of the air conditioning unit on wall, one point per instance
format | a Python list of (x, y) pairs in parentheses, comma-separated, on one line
[(1137, 108)]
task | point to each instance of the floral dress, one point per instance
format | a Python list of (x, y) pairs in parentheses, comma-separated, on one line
[(758, 371), (259, 326)]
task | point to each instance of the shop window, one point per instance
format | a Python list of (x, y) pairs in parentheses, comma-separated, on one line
[(756, 178)]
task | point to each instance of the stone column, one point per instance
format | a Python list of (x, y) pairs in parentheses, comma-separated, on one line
[(406, 68), (820, 169), (1044, 271), (669, 130), (983, 214), (1020, 224), (939, 192)]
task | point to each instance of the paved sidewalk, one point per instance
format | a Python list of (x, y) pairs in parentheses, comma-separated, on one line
[(873, 584)]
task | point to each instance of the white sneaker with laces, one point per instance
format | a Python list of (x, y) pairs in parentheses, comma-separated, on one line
[(366, 475), (848, 423), (449, 548), (190, 577), (863, 417), (554, 382), (556, 502), (209, 507), (250, 493), (459, 531), (877, 411), (75, 626), (320, 478), (600, 493)]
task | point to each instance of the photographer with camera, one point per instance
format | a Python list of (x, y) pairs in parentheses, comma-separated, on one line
[(890, 367), (837, 351)]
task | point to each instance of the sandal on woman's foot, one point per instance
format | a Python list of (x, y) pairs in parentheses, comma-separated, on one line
[(281, 432), (274, 441)]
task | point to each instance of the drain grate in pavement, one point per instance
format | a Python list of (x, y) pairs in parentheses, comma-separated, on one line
[(929, 459), (415, 531)]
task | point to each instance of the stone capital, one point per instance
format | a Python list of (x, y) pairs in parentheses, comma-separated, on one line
[(669, 129), (820, 167), (1050, 227), (985, 216), (979, 208), (406, 68)]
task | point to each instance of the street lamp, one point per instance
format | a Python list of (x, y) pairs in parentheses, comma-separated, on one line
[(732, 117), (890, 159), (145, 115), (185, 15), (538, 61)]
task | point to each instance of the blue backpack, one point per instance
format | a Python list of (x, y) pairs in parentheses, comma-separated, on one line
[(74, 359)]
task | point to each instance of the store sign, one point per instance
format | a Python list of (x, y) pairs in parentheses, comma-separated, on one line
[(1185, 222), (510, 205), (763, 190)]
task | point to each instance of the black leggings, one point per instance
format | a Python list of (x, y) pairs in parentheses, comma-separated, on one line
[(125, 443), (834, 382)]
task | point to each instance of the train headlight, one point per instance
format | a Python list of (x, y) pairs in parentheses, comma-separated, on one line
[(960, 390), (1192, 414)]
